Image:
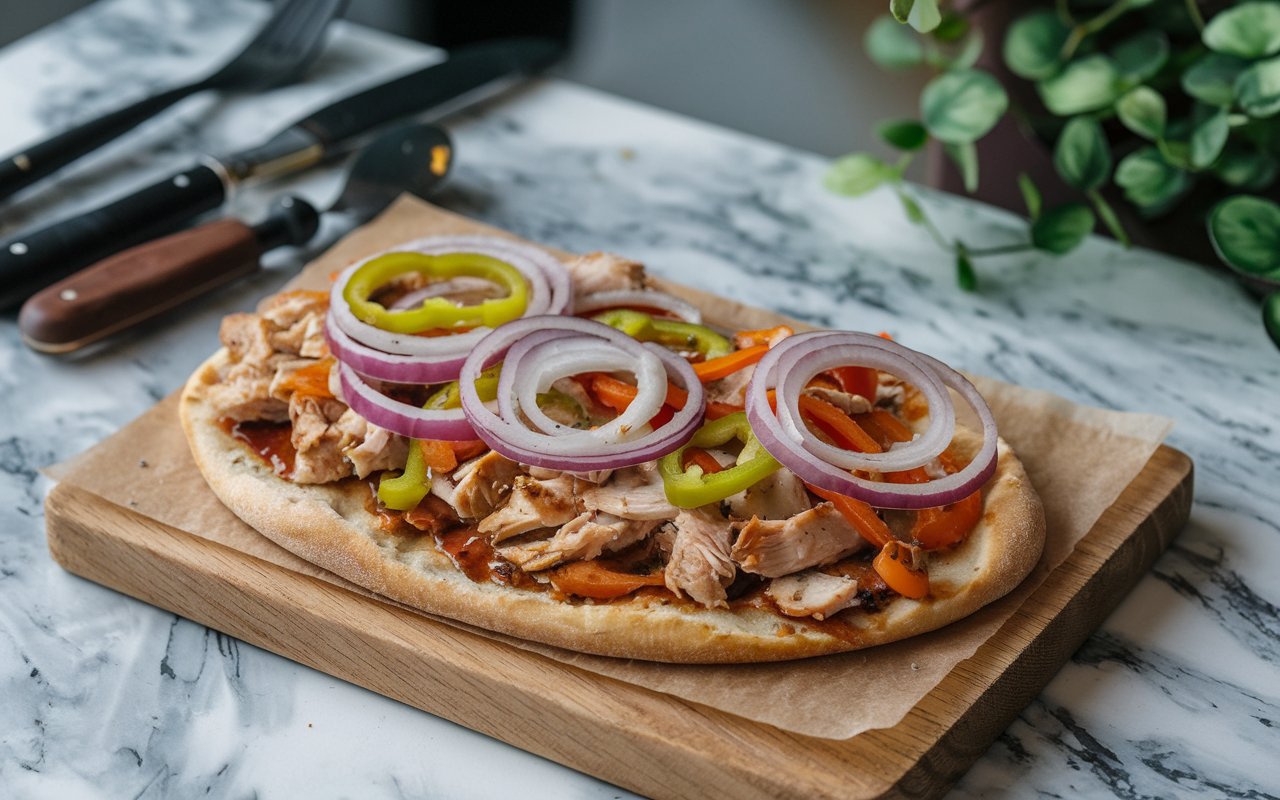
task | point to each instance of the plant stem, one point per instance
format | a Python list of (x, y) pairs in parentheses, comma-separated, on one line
[(1109, 217), (1193, 11), (932, 229), (1083, 29), (1064, 14), (1004, 249)]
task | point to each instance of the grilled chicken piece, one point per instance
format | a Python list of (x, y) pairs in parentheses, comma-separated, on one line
[(600, 272), (779, 496), (378, 448), (813, 594), (582, 538), (480, 484), (247, 396), (632, 493), (284, 371), (848, 403), (304, 338), (317, 440), (773, 548), (247, 338), (699, 565), (284, 310), (534, 504), (732, 388)]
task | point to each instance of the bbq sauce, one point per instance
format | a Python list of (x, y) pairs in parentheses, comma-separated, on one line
[(270, 441)]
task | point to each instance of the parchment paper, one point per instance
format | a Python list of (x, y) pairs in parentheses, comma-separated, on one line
[(1078, 458)]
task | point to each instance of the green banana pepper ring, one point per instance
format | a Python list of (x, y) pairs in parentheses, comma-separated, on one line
[(690, 488), (667, 332), (436, 312), (406, 490)]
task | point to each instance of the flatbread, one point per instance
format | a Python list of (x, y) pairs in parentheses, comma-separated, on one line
[(332, 526)]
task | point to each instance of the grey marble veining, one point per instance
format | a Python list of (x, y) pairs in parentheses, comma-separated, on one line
[(1177, 695)]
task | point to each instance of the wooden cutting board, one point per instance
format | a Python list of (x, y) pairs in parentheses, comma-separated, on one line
[(645, 741)]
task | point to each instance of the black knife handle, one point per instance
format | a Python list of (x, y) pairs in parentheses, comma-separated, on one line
[(32, 260), (24, 168)]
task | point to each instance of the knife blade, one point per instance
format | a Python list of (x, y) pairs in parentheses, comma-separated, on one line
[(32, 260)]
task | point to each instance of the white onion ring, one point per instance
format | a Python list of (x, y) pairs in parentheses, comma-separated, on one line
[(812, 469), (638, 297), (883, 355), (576, 451)]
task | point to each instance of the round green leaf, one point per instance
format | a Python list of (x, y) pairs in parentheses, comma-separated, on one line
[(893, 46), (1258, 88), (1142, 111), (961, 106), (1081, 155), (952, 28), (1212, 78), (1245, 231), (1141, 56), (901, 9), (924, 15), (911, 208), (1062, 229), (1150, 182), (857, 174), (1246, 169), (1249, 30), (905, 134), (1271, 317), (1087, 84), (1208, 139), (1033, 44)]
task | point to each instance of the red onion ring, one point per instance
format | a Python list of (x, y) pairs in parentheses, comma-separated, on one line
[(812, 469), (448, 425), (508, 434), (381, 366), (638, 297)]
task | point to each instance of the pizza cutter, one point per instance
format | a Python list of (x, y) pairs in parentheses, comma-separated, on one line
[(144, 281)]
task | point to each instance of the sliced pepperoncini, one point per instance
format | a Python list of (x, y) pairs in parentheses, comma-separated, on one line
[(667, 332), (692, 487)]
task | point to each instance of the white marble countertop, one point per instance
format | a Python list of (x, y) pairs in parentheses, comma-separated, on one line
[(1178, 694)]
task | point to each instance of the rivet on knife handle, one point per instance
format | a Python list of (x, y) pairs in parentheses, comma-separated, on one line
[(32, 260), (137, 284)]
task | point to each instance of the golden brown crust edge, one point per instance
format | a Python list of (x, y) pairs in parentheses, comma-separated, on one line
[(333, 529)]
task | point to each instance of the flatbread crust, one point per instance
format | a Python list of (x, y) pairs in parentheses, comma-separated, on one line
[(331, 526)]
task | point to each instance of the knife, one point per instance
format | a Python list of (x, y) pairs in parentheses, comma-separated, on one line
[(35, 259)]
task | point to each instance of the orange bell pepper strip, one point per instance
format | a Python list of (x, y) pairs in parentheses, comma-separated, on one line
[(765, 336), (861, 516), (593, 579), (716, 409), (894, 566), (703, 459), (840, 425), (857, 380), (465, 451), (310, 381), (438, 455), (717, 368), (936, 528)]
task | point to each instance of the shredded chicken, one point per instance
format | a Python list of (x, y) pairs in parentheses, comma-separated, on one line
[(848, 403), (780, 547), (631, 493), (699, 565), (813, 594), (582, 538), (378, 448), (534, 504), (779, 496), (600, 272), (284, 310), (317, 440), (247, 338), (480, 484), (247, 396), (732, 388)]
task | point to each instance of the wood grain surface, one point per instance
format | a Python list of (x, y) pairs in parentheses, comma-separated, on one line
[(647, 742)]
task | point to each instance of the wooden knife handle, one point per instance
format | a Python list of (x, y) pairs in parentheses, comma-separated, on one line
[(137, 284)]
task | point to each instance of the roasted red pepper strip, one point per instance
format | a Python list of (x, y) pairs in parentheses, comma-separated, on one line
[(848, 434)]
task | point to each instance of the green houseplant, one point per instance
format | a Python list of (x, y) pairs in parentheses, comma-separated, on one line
[(1149, 108)]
